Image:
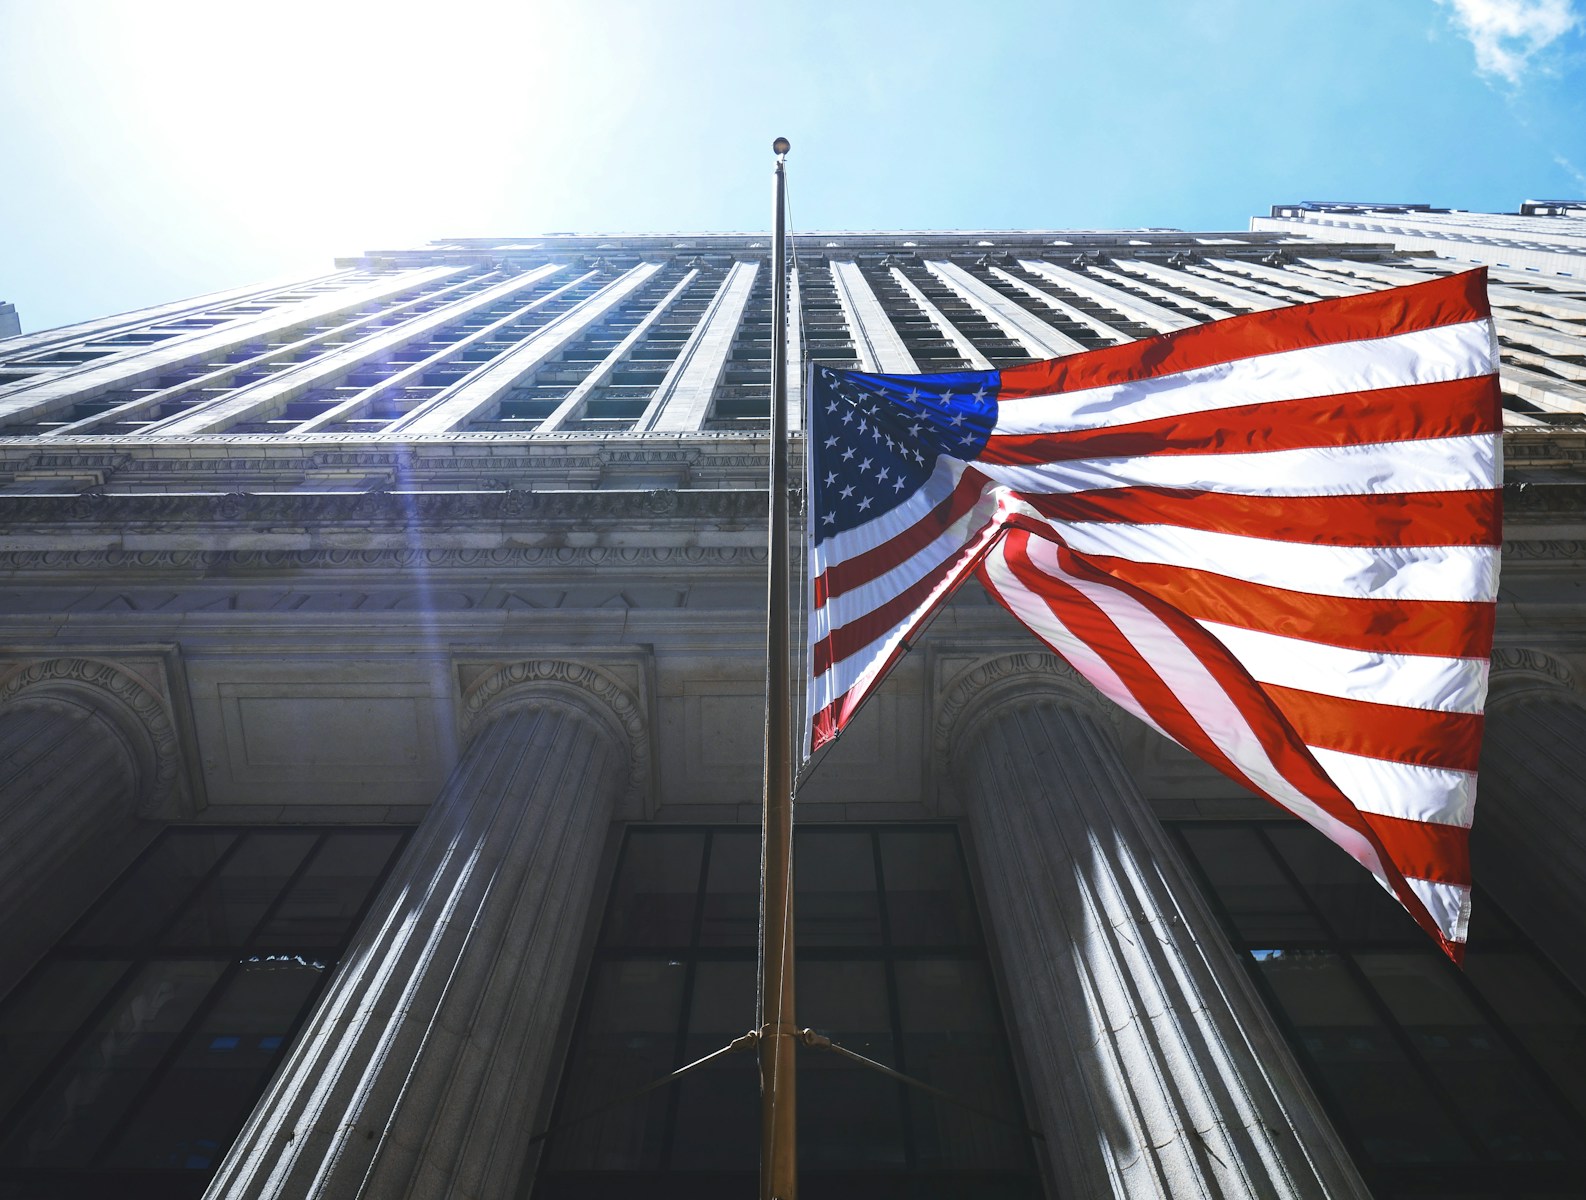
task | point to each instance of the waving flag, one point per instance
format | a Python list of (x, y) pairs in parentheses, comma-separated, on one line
[(1273, 538)]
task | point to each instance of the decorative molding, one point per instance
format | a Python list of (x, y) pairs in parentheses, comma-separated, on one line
[(465, 558), (404, 510), (282, 456), (993, 685), (591, 691), (1569, 549), (661, 557), (320, 443), (1524, 496), (129, 704), (1522, 672)]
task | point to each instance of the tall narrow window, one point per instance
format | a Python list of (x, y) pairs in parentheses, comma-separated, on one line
[(1444, 1082), (130, 1057), (892, 964)]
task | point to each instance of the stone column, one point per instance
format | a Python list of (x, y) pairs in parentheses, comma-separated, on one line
[(78, 767), (422, 1071), (1528, 842), (1153, 1066)]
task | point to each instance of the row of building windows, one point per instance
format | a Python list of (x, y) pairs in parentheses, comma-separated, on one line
[(131, 1055), (939, 324), (134, 1051)]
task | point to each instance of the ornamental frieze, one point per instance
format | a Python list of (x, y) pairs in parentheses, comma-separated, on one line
[(1523, 496), (1547, 550), (462, 559), (398, 508)]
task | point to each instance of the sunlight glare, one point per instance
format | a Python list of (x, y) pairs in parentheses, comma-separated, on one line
[(329, 128)]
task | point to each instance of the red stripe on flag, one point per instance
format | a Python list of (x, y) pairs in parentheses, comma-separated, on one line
[(862, 568), (1452, 300), (1444, 628), (1277, 738), (1425, 849), (861, 631), (1088, 622), (946, 579), (1456, 408), (1464, 518), (1387, 731), (825, 725)]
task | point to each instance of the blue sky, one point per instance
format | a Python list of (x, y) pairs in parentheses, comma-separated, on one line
[(155, 149)]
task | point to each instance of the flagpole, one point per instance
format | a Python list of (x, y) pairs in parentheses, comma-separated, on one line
[(776, 1027)]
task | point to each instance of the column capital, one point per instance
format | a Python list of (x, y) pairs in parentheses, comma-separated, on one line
[(1522, 672), (1004, 683), (130, 704), (594, 691)]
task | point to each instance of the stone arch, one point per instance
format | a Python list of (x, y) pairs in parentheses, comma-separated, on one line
[(1522, 672), (577, 687), (1006, 682), (137, 714)]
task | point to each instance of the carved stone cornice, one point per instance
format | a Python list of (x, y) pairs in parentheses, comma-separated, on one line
[(660, 558), (1546, 550), (135, 710), (403, 510), (587, 689), (992, 686), (468, 558), (455, 453), (1524, 496), (1524, 673), (449, 559)]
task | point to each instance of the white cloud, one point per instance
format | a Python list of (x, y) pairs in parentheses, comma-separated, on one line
[(1570, 169), (1507, 33)]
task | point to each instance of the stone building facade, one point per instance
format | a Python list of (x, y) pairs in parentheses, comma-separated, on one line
[(380, 688), (1546, 237)]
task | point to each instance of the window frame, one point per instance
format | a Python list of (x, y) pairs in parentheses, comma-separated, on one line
[(1484, 1175), (98, 1176), (906, 1178)]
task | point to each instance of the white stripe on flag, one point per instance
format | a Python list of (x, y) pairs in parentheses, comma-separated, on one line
[(843, 674), (1448, 903), (1405, 790), (855, 668), (1208, 705), (863, 538), (1424, 356), (1425, 681), (1367, 572), (1038, 616), (858, 603), (1424, 465)]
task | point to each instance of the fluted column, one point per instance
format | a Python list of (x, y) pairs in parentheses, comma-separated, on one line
[(68, 791), (1528, 842), (422, 1071), (1153, 1066)]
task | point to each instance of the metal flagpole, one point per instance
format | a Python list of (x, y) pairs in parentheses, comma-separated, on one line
[(778, 1032)]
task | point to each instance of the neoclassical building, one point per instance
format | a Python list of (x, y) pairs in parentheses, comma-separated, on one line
[(380, 689)]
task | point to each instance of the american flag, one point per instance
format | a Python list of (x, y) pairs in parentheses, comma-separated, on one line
[(1273, 538)]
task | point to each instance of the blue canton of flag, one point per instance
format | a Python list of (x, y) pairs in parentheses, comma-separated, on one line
[(879, 437)]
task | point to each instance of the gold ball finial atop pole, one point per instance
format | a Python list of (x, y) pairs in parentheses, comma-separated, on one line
[(781, 145)]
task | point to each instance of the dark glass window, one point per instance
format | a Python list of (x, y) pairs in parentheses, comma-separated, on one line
[(891, 964), (130, 1057), (1446, 1083)]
